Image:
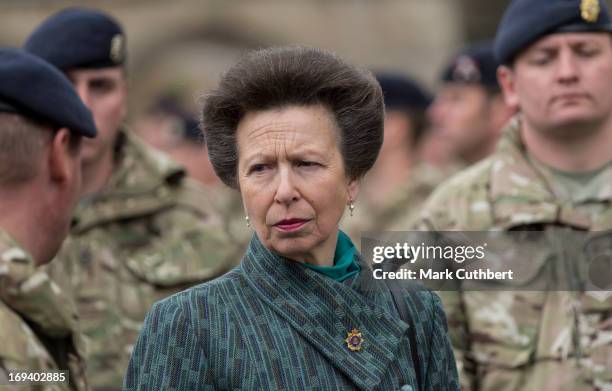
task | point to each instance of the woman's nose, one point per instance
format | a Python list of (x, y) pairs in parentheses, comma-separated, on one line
[(286, 192)]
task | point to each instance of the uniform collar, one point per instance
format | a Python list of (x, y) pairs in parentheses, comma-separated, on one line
[(521, 194), (142, 181)]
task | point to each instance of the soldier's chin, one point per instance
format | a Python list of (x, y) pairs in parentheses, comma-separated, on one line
[(568, 121)]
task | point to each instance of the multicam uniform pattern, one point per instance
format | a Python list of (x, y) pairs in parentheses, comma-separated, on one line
[(149, 234), (527, 340), (38, 324)]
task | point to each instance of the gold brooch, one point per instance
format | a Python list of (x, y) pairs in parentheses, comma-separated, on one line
[(589, 10), (354, 340)]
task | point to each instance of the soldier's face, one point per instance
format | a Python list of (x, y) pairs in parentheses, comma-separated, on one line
[(460, 117), (104, 92), (562, 81), (291, 177)]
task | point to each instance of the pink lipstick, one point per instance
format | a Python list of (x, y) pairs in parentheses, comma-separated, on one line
[(290, 225)]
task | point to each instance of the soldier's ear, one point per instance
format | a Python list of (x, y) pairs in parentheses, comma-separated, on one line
[(507, 81), (60, 156)]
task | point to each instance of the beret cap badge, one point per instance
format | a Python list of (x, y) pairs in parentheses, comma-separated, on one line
[(466, 70), (589, 10), (117, 48)]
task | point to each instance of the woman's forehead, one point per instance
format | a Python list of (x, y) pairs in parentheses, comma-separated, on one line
[(310, 127)]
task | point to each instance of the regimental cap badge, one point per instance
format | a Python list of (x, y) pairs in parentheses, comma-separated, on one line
[(354, 340), (466, 70), (589, 10), (117, 49)]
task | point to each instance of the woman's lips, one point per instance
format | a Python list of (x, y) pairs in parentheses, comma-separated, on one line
[(290, 225)]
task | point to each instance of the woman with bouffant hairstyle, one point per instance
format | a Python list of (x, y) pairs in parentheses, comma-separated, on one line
[(294, 130)]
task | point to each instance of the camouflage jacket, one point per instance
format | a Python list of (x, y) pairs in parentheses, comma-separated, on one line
[(38, 323), (149, 234), (526, 340)]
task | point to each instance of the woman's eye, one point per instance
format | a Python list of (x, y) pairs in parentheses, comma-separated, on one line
[(256, 168), (303, 163)]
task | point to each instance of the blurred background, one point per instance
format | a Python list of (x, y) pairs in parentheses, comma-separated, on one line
[(180, 47)]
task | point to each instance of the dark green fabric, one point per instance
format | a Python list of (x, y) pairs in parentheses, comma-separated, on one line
[(345, 265), (272, 324)]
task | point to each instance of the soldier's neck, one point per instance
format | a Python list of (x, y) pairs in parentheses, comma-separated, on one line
[(570, 150), (476, 155), (26, 225), (96, 174)]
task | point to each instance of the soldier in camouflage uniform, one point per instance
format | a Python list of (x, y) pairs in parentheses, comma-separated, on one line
[(40, 180), (143, 231), (469, 112), (551, 171)]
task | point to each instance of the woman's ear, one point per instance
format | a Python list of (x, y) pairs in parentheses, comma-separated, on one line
[(353, 189)]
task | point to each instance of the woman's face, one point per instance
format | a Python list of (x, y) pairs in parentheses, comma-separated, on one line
[(292, 180)]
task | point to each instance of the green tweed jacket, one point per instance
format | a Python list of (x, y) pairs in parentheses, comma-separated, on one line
[(271, 324)]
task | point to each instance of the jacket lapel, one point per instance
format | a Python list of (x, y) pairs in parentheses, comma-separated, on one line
[(324, 311)]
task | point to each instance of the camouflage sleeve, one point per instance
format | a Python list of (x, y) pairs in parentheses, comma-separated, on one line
[(21, 350), (456, 320), (442, 371), (438, 209), (186, 249), (446, 209), (167, 355)]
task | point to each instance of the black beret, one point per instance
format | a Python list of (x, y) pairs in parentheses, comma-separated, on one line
[(170, 105), (33, 88), (79, 38), (401, 92), (525, 21), (474, 64)]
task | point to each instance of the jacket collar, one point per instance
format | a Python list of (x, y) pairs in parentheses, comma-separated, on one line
[(324, 311), (142, 182), (522, 195)]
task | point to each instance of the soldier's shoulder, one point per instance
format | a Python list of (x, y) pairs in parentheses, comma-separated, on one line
[(461, 184), (21, 349), (156, 161), (16, 264), (461, 201), (10, 249)]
